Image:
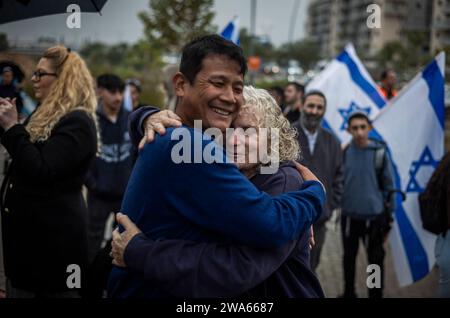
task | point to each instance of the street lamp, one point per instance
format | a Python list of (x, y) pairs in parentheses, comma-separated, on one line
[(294, 15)]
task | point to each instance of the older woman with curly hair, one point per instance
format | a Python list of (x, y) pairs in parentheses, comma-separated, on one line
[(262, 137), (227, 269), (43, 211)]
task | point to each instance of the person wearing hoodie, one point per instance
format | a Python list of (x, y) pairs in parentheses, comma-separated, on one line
[(368, 178), (109, 173)]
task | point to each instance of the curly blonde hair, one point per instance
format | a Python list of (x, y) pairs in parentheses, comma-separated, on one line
[(72, 90), (287, 147)]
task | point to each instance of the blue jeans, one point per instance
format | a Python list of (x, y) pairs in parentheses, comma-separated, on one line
[(442, 252)]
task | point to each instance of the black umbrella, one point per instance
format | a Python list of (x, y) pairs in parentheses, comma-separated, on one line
[(17, 71), (15, 10)]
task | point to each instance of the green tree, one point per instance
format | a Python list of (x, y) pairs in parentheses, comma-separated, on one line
[(139, 61), (392, 53), (265, 50), (406, 57), (172, 23), (304, 51), (4, 45)]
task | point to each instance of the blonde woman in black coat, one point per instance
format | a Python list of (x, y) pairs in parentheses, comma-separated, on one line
[(43, 212)]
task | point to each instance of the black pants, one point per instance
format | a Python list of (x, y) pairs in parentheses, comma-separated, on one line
[(99, 259), (320, 231), (98, 273), (371, 233), (99, 212)]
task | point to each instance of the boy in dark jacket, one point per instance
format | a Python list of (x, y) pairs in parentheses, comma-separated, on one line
[(109, 173)]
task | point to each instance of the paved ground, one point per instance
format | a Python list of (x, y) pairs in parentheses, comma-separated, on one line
[(331, 276)]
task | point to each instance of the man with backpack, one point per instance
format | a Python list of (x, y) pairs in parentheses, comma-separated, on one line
[(368, 182), (435, 215)]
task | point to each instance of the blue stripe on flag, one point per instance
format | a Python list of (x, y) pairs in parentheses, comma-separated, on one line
[(417, 257), (357, 77), (435, 81), (227, 33)]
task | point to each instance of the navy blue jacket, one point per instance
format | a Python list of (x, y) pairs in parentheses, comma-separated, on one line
[(194, 269), (109, 173), (136, 120), (204, 202)]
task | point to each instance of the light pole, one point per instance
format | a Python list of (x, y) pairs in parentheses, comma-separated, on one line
[(294, 15), (252, 20)]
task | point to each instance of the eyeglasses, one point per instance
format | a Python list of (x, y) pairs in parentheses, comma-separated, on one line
[(39, 74)]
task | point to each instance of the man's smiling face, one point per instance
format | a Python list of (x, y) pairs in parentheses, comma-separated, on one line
[(216, 94)]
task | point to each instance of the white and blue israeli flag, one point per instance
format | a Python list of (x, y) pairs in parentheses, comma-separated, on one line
[(413, 128), (348, 87), (231, 31)]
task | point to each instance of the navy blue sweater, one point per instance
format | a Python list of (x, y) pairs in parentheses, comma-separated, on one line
[(206, 202), (194, 269)]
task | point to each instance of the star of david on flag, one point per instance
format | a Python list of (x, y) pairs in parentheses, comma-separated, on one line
[(426, 159), (345, 113)]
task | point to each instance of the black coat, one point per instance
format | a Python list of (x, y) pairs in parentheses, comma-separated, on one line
[(44, 217), (326, 164)]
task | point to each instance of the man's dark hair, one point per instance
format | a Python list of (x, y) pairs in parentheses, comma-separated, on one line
[(299, 87), (312, 93), (110, 82), (195, 52), (358, 116), (278, 90)]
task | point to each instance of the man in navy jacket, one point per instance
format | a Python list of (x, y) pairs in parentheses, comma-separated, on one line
[(213, 201)]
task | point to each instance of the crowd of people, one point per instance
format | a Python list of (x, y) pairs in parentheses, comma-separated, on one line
[(215, 228)]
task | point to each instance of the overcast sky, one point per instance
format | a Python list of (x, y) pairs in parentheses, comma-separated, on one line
[(119, 23)]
